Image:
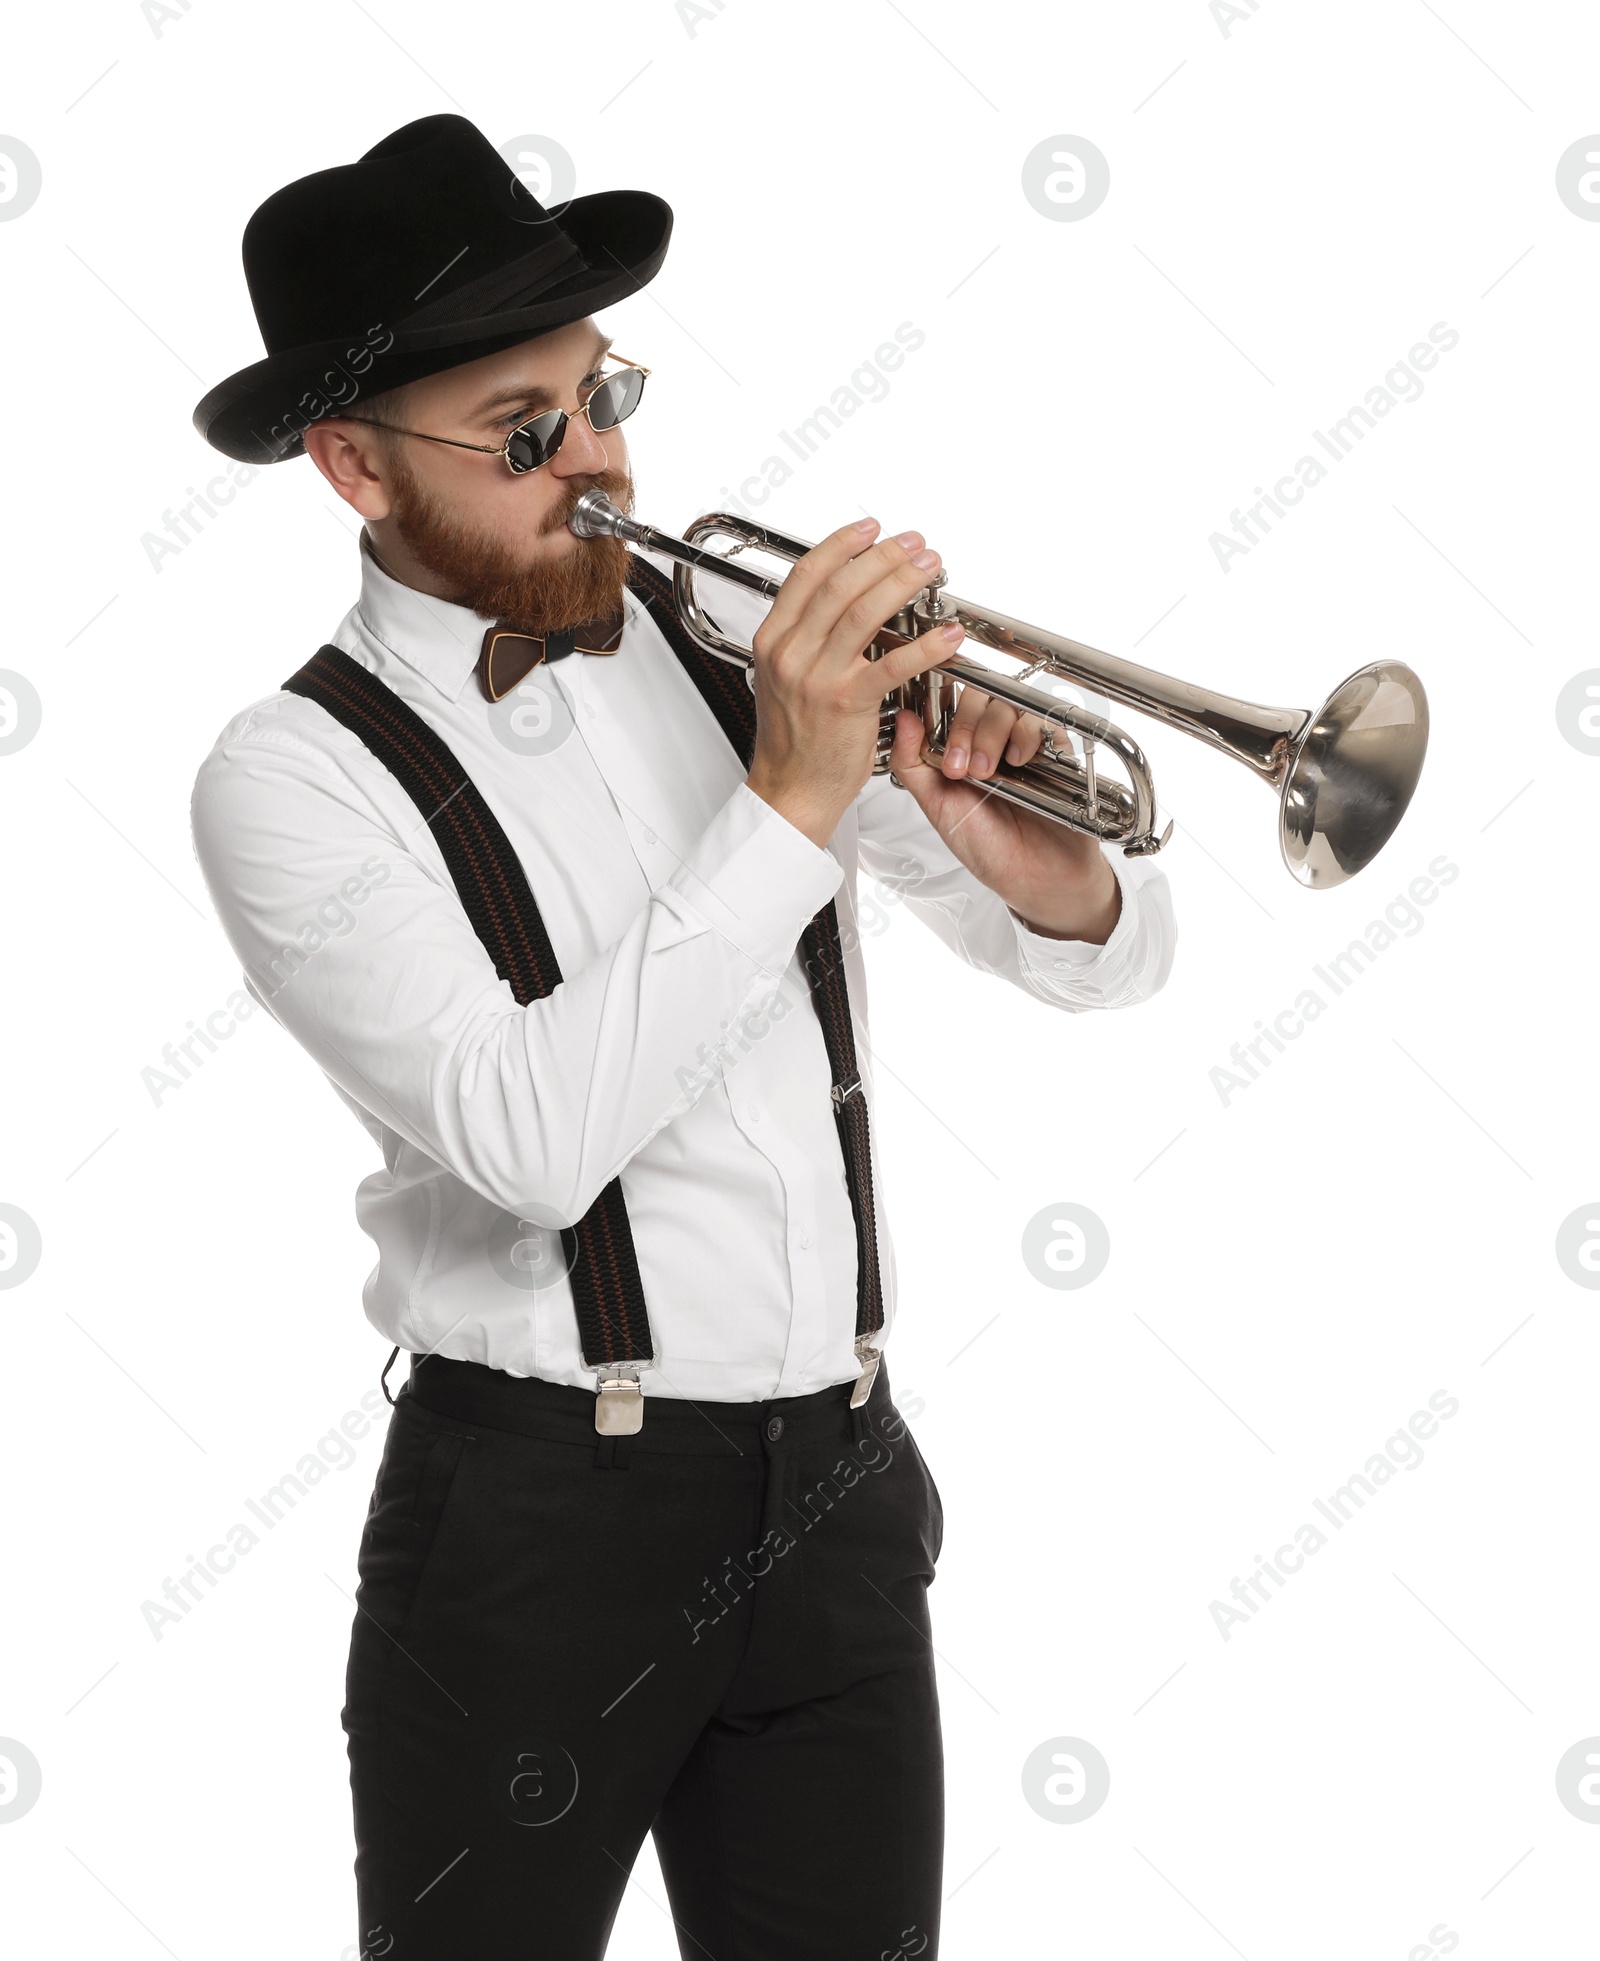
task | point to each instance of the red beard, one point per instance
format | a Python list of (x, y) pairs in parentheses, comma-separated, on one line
[(531, 594)]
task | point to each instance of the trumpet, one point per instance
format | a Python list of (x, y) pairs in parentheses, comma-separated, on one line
[(1344, 772)]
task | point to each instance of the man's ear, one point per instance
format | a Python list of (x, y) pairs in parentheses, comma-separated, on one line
[(348, 456)]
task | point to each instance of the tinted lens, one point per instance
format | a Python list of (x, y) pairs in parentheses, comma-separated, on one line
[(615, 399), (536, 441)]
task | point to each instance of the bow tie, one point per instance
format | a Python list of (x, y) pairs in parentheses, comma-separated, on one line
[(508, 655)]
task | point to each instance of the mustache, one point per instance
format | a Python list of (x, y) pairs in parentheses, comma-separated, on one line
[(616, 484)]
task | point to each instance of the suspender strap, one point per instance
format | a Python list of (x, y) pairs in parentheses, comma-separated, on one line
[(613, 1325), (726, 692)]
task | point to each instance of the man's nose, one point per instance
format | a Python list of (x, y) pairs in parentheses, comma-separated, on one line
[(581, 452)]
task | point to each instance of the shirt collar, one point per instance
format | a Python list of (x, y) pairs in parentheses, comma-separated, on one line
[(436, 638)]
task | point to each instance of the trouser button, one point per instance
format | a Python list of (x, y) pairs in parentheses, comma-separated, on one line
[(774, 1428)]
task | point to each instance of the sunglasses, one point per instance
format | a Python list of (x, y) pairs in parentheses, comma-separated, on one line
[(532, 444)]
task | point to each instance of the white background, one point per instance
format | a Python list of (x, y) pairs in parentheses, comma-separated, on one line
[(1293, 204)]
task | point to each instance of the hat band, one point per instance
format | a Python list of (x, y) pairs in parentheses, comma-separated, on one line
[(525, 280)]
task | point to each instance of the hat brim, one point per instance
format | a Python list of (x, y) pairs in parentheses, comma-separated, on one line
[(259, 414)]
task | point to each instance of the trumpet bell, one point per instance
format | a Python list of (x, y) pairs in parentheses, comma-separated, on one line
[(1353, 774)]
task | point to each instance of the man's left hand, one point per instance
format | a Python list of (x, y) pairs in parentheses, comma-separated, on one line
[(1059, 881)]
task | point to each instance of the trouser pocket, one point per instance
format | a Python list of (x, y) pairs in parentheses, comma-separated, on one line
[(935, 1502), (422, 1459)]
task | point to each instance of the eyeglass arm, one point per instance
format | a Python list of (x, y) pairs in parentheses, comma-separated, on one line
[(423, 436)]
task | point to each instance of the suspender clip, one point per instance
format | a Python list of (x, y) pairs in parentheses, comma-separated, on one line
[(619, 1401), (843, 1090), (870, 1357)]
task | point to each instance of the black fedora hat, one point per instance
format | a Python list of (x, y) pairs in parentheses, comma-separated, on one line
[(426, 253)]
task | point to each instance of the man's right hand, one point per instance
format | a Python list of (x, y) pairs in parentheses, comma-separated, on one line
[(817, 695)]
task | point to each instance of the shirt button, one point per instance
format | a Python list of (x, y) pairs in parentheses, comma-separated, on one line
[(805, 1236), (774, 1428)]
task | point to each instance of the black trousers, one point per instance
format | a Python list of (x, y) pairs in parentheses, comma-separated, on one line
[(715, 1631)]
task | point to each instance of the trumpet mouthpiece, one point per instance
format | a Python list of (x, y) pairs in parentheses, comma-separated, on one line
[(595, 516)]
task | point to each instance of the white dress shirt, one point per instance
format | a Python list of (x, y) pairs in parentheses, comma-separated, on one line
[(681, 1050)]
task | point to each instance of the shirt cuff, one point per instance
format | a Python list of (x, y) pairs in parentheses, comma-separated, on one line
[(1083, 959), (756, 879)]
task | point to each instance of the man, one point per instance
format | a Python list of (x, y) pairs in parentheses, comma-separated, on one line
[(569, 921)]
